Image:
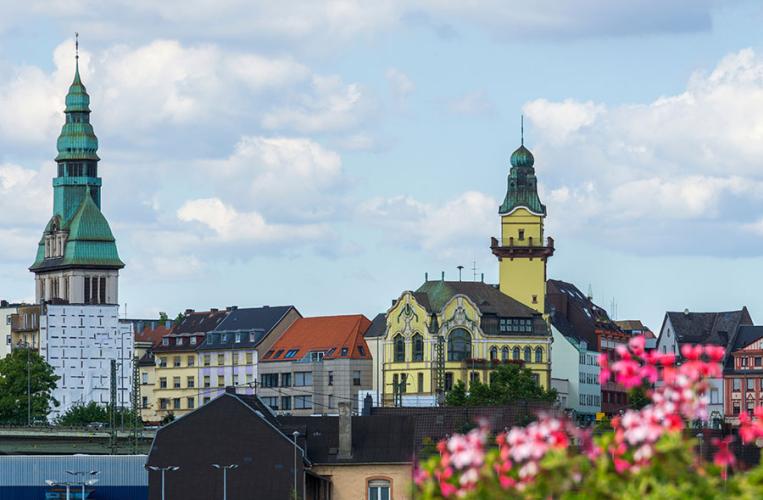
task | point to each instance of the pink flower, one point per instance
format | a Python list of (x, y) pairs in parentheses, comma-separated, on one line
[(691, 352), (714, 353), (637, 344), (723, 457)]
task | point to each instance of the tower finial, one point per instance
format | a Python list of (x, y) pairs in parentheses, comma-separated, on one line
[(522, 129), (76, 45)]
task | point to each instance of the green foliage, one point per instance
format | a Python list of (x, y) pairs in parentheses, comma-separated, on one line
[(509, 383), (14, 370), (163, 316), (81, 415), (178, 319), (170, 417), (637, 398)]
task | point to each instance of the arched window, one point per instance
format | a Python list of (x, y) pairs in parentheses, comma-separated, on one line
[(515, 353), (399, 349), (459, 345), (493, 353), (505, 353), (379, 489), (538, 355), (418, 347), (528, 354)]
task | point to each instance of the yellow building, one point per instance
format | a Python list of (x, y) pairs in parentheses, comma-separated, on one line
[(450, 331), (522, 250)]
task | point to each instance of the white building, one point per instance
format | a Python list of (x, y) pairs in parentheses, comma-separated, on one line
[(6, 311), (571, 359), (79, 342)]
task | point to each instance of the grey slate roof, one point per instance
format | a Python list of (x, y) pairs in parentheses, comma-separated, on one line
[(253, 318), (378, 327), (716, 328), (574, 314), (487, 297)]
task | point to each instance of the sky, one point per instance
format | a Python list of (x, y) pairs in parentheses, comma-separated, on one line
[(328, 154)]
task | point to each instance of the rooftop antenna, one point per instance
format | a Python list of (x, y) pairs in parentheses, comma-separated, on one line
[(460, 268), (474, 269)]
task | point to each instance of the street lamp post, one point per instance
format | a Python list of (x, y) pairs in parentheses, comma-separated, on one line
[(56, 483), (295, 434), (82, 482), (171, 468), (225, 476)]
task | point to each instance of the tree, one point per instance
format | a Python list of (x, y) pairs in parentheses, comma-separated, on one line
[(509, 383), (163, 316), (15, 369), (82, 414), (179, 319)]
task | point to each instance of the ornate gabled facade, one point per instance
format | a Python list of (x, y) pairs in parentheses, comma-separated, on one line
[(77, 259), (450, 331), (522, 250)]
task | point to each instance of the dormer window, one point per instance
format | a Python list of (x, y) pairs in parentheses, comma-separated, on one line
[(165, 341), (179, 341), (193, 340), (345, 350), (238, 338)]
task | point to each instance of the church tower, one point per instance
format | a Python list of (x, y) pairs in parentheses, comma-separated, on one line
[(522, 250), (77, 259)]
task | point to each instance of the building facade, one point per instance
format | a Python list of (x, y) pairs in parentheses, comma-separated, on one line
[(708, 328), (743, 374), (7, 311), (317, 364), (147, 334), (77, 259), (573, 361), (25, 327), (451, 331), (79, 342)]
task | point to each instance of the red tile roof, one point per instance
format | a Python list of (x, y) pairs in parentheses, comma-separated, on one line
[(336, 336), (152, 335)]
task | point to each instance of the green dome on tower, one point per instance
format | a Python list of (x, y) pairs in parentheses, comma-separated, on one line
[(77, 140), (522, 157)]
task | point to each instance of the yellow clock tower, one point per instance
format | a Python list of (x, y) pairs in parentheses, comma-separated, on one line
[(522, 250)]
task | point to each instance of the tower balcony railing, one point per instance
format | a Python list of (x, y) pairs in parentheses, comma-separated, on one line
[(529, 247)]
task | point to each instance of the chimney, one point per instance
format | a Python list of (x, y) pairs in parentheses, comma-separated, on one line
[(482, 278), (189, 311), (345, 430), (426, 277), (686, 311), (442, 277), (230, 389), (368, 402), (213, 309)]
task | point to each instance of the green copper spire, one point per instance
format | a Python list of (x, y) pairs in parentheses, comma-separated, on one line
[(522, 184)]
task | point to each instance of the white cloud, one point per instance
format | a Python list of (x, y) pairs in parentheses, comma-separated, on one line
[(330, 105), (25, 197), (400, 83), (229, 225), (645, 169), (464, 222), (472, 103)]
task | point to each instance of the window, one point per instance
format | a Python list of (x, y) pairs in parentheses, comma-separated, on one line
[(331, 378), (238, 338), (362, 350), (286, 380), (378, 490), (538, 355), (493, 353), (291, 353), (399, 349), (220, 359), (144, 378), (521, 235), (750, 384), (271, 401), (206, 399), (737, 384), (403, 382), (448, 381), (191, 360), (278, 353), (528, 355), (535, 299), (191, 381), (420, 385), (268, 354), (235, 379), (165, 341), (315, 357), (735, 408), (505, 354), (144, 402), (163, 383), (176, 361), (191, 403), (176, 382), (270, 380), (234, 358), (750, 407), (582, 378), (758, 361), (418, 347), (249, 378), (249, 358), (221, 381), (303, 402), (345, 351), (163, 404), (162, 362), (474, 377), (179, 341), (459, 345), (286, 402), (582, 358), (207, 360), (744, 361), (303, 378), (582, 399), (176, 403), (207, 382), (332, 401), (193, 340), (356, 377), (515, 354)]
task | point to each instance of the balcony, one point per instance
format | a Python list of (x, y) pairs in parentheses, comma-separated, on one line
[(522, 248)]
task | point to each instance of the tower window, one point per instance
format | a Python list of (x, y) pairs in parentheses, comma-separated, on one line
[(521, 234), (535, 299)]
